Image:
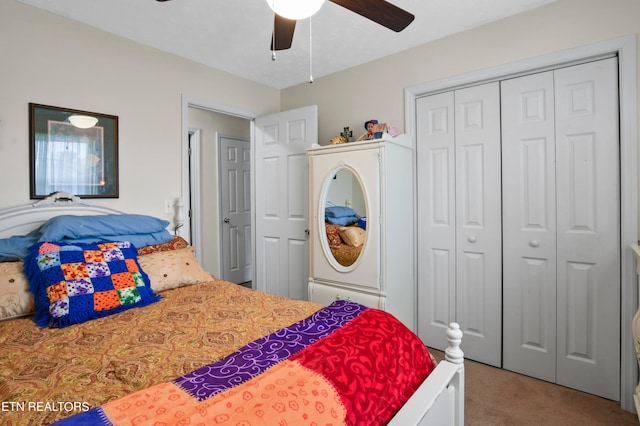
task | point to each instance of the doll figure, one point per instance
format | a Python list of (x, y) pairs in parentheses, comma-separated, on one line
[(373, 131)]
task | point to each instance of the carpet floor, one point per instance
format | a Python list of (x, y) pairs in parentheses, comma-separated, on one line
[(499, 397)]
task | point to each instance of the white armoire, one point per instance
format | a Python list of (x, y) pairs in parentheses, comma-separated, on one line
[(518, 186), (382, 182)]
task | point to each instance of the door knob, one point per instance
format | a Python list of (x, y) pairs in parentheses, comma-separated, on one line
[(226, 220), (472, 239), (534, 243)]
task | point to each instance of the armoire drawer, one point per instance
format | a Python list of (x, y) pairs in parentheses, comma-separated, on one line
[(327, 294)]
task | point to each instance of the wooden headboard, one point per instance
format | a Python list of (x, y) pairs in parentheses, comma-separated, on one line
[(23, 219)]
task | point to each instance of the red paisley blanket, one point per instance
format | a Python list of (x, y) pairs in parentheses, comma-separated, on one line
[(345, 364)]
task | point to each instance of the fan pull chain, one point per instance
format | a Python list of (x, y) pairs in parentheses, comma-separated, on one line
[(310, 52), (273, 33)]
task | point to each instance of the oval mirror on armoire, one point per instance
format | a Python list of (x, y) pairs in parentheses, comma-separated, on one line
[(343, 215)]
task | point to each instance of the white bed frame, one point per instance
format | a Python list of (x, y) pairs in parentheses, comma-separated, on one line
[(23, 219), (438, 401)]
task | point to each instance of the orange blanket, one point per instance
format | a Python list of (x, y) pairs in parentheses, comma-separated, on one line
[(345, 364)]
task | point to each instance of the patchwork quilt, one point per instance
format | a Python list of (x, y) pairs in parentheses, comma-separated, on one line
[(346, 364), (74, 283)]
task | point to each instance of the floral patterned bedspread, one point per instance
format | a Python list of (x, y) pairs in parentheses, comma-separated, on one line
[(49, 374)]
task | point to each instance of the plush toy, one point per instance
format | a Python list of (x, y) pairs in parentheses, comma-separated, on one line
[(337, 140)]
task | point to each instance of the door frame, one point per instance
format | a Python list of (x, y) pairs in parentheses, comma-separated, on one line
[(191, 168), (196, 213), (625, 48)]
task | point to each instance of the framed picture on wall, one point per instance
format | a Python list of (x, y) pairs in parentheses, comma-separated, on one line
[(72, 151)]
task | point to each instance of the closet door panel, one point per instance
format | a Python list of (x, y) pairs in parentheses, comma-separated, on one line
[(588, 228), (478, 221), (529, 232), (436, 222)]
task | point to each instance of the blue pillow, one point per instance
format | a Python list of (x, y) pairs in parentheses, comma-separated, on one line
[(73, 227), (344, 220), (339, 211), (138, 240), (16, 247), (74, 283)]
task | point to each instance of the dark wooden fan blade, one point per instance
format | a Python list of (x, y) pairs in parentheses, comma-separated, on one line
[(380, 11), (283, 29)]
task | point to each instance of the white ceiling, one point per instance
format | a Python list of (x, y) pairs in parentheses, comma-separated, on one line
[(234, 35)]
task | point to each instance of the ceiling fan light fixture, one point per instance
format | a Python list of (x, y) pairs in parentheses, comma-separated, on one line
[(83, 121), (295, 9)]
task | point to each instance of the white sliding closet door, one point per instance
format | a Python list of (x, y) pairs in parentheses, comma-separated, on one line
[(478, 221), (435, 154), (588, 222), (459, 205), (562, 227), (529, 204)]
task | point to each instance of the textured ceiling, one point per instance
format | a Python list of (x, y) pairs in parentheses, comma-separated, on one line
[(234, 35)]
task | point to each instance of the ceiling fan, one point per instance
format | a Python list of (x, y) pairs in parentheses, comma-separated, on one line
[(379, 11)]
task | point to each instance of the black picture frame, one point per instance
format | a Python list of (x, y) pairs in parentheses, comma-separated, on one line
[(64, 157)]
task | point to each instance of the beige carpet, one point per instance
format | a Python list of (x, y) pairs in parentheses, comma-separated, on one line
[(499, 397)]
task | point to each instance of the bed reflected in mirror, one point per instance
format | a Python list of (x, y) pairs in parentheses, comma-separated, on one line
[(344, 218)]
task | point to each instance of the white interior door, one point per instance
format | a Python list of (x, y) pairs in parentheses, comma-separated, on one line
[(281, 193), (235, 208), (562, 227)]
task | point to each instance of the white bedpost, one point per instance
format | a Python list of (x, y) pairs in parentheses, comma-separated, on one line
[(454, 355)]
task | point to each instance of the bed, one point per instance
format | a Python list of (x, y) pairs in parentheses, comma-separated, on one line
[(345, 232), (171, 358), (345, 242)]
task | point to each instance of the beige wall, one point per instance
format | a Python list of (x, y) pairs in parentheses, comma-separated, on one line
[(52, 60), (212, 124), (375, 90)]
